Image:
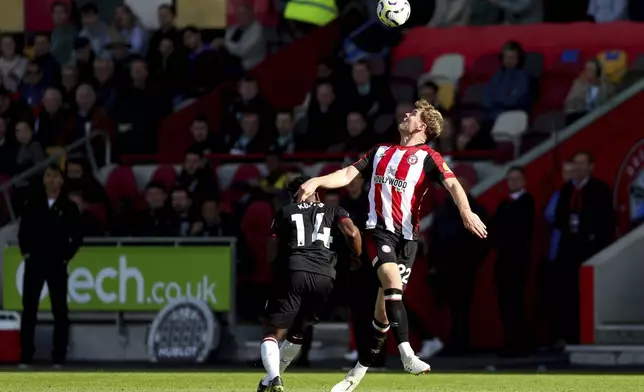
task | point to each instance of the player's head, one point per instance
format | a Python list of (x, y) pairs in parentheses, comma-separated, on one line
[(424, 120), (294, 186)]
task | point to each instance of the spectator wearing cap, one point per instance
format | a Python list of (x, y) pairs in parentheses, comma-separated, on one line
[(13, 111), (64, 33), (250, 141), (12, 65), (48, 63), (204, 66), (50, 121), (131, 29), (285, 141), (139, 109), (33, 85), (589, 91), (68, 84), (49, 238), (95, 30), (166, 15), (83, 59), (509, 88), (246, 39), (7, 151), (203, 140)]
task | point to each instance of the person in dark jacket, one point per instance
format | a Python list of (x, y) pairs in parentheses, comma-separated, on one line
[(586, 219), (513, 227), (49, 238)]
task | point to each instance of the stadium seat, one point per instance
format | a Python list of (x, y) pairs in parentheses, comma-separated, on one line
[(548, 122), (98, 210), (506, 151), (614, 63), (554, 89), (529, 140), (165, 174), (403, 92), (473, 96), (570, 63), (382, 123), (534, 64), (121, 184), (510, 126), (448, 67), (246, 172), (466, 171), (446, 94), (485, 65), (409, 68)]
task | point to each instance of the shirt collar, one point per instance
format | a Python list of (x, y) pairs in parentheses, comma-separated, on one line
[(516, 195)]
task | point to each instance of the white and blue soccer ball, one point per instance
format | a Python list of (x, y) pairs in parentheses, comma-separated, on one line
[(393, 13)]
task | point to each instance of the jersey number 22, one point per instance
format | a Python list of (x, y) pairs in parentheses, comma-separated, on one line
[(323, 235)]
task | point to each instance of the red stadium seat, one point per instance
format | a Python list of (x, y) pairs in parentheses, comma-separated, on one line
[(165, 174), (329, 168), (121, 184), (98, 210), (530, 140), (465, 170), (485, 65), (246, 172), (256, 228)]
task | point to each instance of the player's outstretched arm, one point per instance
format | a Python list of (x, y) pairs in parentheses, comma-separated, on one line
[(337, 179), (354, 241), (471, 221)]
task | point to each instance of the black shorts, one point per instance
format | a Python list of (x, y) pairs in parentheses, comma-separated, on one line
[(383, 246), (297, 300)]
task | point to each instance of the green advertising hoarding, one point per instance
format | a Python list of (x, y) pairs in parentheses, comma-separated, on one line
[(132, 278)]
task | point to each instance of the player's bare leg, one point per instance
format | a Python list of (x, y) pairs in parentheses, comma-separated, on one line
[(289, 349), (271, 359)]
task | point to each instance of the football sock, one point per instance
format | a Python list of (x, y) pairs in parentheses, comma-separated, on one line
[(271, 357), (288, 352), (367, 355), (397, 315), (359, 371)]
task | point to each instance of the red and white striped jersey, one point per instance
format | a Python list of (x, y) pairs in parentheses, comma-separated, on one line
[(400, 177)]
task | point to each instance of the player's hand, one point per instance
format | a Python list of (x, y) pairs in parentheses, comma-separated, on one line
[(473, 223), (355, 264), (307, 190)]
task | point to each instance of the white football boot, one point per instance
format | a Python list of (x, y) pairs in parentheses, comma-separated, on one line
[(415, 366), (347, 385)]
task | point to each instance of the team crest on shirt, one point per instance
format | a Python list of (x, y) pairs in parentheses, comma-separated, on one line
[(412, 159), (629, 187)]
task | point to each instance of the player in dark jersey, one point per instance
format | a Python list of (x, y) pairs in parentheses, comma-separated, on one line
[(304, 268), (399, 175)]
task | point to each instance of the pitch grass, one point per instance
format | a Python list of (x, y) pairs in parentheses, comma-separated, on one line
[(314, 382)]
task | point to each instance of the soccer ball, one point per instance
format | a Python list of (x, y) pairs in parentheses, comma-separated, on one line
[(393, 13)]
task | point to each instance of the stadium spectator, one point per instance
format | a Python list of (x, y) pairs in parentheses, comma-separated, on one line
[(7, 151), (356, 201), (449, 13), (166, 15), (446, 142), (33, 86), (13, 111), (520, 12), (83, 59), (197, 179), (250, 141), (587, 222), (246, 39), (154, 221), (64, 34), (589, 91), (181, 216), (204, 67), (95, 30), (368, 94), (509, 88), (477, 139), (212, 222), (513, 227), (90, 224), (48, 63), (138, 111), (603, 11), (326, 118), (87, 116), (567, 172), (169, 68), (119, 49), (276, 179), (203, 140), (80, 177), (248, 98), (68, 85), (106, 85), (50, 122), (12, 65), (131, 29), (458, 256), (285, 141), (30, 152), (429, 92), (358, 138)]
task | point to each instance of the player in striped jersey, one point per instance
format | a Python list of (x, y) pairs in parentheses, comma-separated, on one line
[(400, 175)]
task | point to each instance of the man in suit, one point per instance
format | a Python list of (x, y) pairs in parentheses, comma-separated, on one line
[(513, 227), (49, 237), (586, 219)]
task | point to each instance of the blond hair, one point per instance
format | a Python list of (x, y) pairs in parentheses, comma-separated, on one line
[(431, 117)]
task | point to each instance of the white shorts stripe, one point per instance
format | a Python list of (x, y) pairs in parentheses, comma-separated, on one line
[(393, 297), (377, 328)]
